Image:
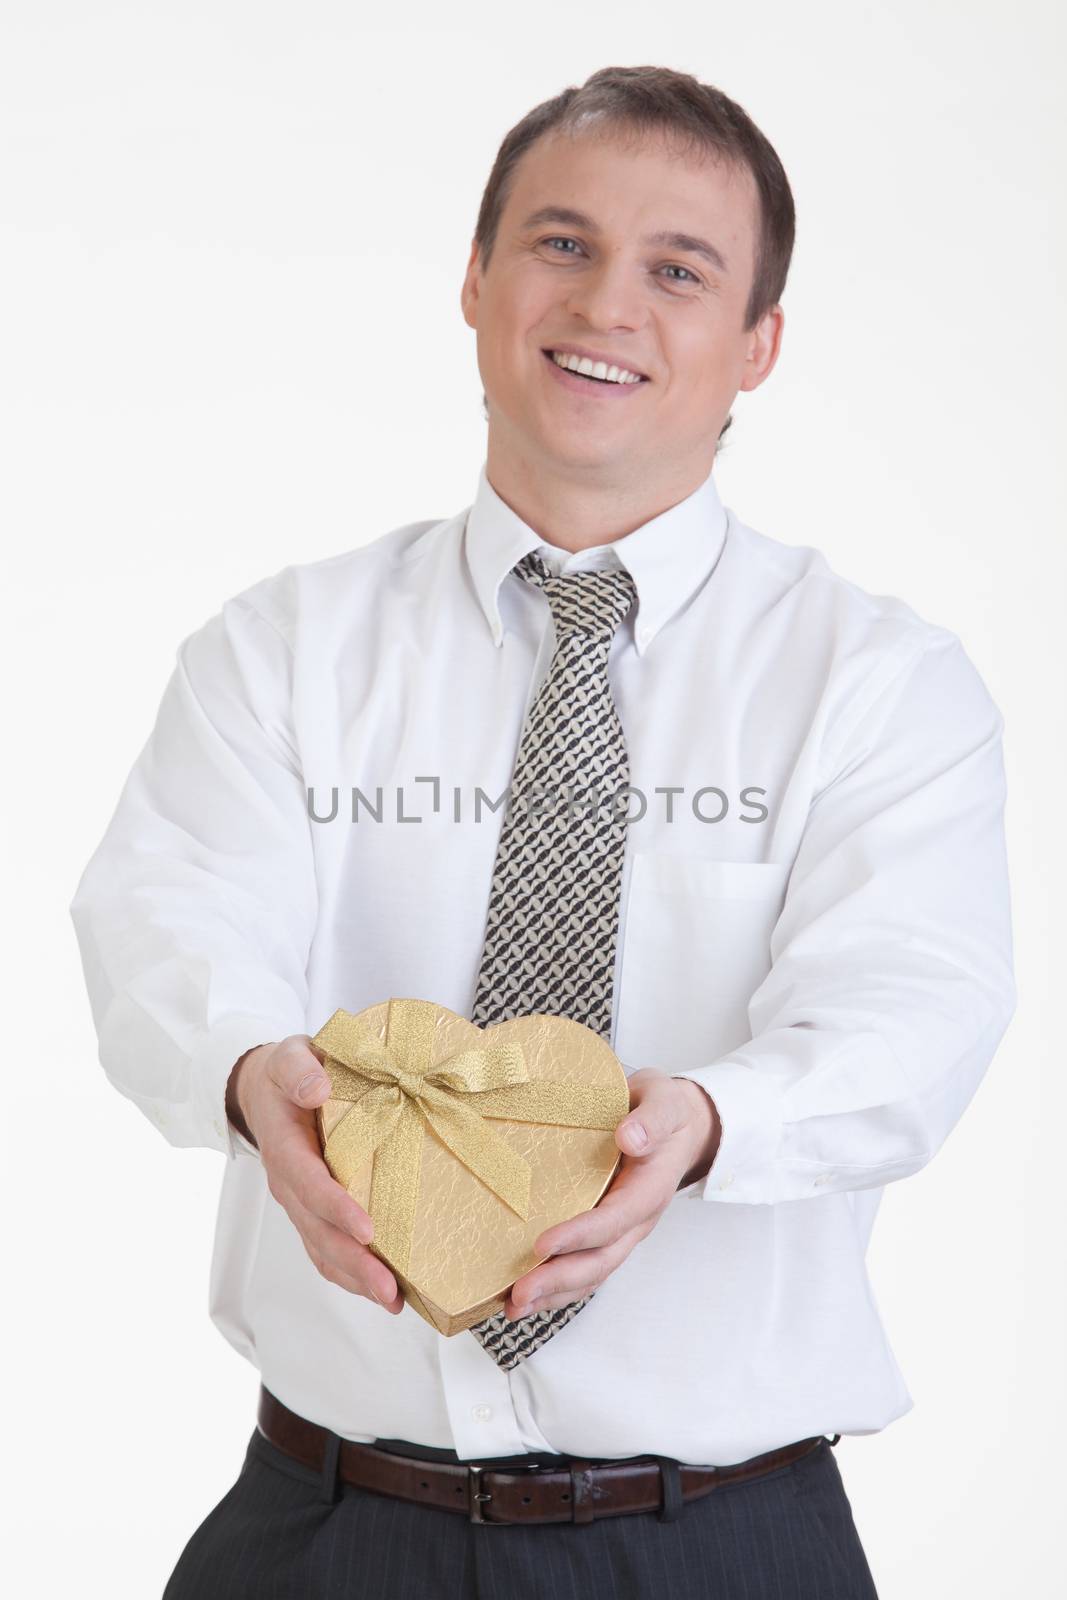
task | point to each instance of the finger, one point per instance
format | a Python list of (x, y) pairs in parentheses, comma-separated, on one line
[(640, 1191), (296, 1160), (333, 1273), (570, 1274), (658, 1110), (342, 1261), (552, 1302), (338, 1246), (298, 1072)]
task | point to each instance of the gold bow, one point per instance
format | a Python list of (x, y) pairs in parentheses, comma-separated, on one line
[(394, 1092)]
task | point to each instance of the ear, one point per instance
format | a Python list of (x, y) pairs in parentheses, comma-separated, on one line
[(765, 341), (468, 297)]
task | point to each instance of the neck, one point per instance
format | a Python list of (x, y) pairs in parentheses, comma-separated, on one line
[(576, 515)]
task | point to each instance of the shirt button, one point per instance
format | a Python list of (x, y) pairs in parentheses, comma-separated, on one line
[(822, 1178), (727, 1181), (481, 1413)]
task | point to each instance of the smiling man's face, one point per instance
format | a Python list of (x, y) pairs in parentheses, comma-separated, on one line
[(664, 308)]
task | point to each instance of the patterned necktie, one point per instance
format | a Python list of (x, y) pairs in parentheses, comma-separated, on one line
[(554, 902)]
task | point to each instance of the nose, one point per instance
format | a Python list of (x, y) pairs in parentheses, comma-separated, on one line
[(607, 295)]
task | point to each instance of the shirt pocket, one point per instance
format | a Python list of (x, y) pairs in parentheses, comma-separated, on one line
[(696, 947)]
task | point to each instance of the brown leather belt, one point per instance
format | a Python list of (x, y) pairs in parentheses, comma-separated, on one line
[(575, 1491)]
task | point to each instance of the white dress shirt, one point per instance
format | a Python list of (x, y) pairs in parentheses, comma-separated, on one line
[(814, 924)]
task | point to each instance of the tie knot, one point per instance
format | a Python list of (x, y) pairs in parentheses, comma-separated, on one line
[(593, 602)]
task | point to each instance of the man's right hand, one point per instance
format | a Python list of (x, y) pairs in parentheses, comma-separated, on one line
[(276, 1089)]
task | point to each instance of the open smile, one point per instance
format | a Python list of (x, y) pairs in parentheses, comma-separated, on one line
[(589, 386)]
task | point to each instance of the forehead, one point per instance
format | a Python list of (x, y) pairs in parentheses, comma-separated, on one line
[(631, 184)]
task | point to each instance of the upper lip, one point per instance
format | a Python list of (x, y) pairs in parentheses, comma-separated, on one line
[(594, 355)]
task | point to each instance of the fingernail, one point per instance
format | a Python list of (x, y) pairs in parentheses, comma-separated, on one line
[(308, 1085), (637, 1134)]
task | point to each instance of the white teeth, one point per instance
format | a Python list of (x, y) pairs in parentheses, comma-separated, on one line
[(598, 369)]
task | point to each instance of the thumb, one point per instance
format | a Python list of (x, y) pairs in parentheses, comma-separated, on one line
[(632, 1135), (654, 1115), (297, 1070), (636, 1133)]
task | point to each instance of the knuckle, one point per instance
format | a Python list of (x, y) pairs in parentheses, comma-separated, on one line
[(320, 1201), (304, 1182), (352, 1216), (285, 1057), (331, 1272), (605, 1232), (356, 1256), (553, 1302)]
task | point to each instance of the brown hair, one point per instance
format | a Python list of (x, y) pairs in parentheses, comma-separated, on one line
[(648, 100)]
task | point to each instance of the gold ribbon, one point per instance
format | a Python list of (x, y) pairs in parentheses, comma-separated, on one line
[(394, 1093)]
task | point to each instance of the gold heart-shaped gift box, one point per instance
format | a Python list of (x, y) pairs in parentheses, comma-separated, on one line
[(432, 1126)]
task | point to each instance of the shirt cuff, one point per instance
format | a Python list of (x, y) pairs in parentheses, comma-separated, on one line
[(751, 1127), (209, 1072)]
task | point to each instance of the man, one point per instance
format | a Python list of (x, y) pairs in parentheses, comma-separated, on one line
[(794, 933)]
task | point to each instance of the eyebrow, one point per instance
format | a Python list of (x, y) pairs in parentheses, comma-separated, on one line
[(670, 237)]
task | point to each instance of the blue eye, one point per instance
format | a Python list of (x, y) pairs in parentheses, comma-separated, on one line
[(560, 238)]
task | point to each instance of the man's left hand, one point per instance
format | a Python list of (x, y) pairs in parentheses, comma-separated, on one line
[(668, 1139)]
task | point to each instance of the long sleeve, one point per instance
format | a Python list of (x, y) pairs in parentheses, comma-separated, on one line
[(891, 982), (195, 914)]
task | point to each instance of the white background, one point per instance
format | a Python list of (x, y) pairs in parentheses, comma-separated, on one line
[(232, 240)]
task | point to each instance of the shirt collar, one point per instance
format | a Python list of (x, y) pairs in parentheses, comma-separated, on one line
[(668, 557)]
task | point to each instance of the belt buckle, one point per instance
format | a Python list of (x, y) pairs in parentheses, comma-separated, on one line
[(476, 1497)]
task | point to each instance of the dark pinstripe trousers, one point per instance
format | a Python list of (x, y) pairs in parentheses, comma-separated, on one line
[(281, 1533)]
